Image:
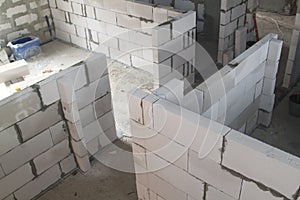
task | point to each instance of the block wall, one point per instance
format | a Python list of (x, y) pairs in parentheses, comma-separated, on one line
[(172, 54), (198, 6), (50, 128), (236, 28), (19, 18), (86, 102), (191, 157), (34, 145), (241, 94), (180, 154), (126, 31), (247, 95)]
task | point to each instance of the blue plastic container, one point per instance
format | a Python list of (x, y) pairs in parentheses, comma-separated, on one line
[(25, 47)]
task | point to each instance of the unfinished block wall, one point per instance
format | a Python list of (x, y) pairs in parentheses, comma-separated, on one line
[(247, 96), (126, 31), (236, 28), (181, 154), (172, 52), (50, 128), (241, 95), (34, 149), (198, 6), (20, 18), (86, 102)]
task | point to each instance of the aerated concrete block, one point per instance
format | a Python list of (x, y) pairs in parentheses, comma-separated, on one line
[(15, 180), (238, 11), (269, 86), (79, 148), (96, 25), (92, 131), (183, 180), (108, 137), (87, 115), (115, 5), (96, 66), (106, 16), (19, 106), (64, 5), (135, 105), (68, 164), (52, 156), (93, 146), (103, 105), (33, 188), (275, 47), (240, 40), (165, 189), (147, 104), (59, 132), (250, 190), (40, 121), (83, 163), (264, 118), (161, 35), (73, 79), (93, 91), (213, 174), (25, 152), (267, 102), (271, 69), (140, 10), (49, 91), (8, 140), (215, 194), (129, 22), (160, 14), (269, 163), (183, 23)]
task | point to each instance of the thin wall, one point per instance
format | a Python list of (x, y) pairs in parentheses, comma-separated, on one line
[(180, 154), (53, 127)]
